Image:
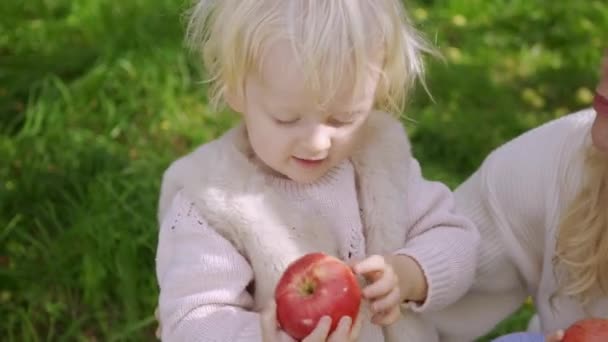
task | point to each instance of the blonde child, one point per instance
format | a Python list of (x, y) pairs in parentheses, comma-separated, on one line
[(316, 164), (541, 205)]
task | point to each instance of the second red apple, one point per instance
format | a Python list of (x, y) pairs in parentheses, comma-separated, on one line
[(587, 330)]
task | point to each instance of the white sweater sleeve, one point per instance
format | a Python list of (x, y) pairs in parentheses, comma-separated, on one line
[(203, 281), (443, 242)]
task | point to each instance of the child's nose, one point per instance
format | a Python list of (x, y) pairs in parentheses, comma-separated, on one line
[(318, 139)]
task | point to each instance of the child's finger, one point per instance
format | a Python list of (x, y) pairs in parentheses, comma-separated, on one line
[(387, 302), (320, 332), (387, 317), (356, 329), (382, 286), (283, 337), (268, 320), (370, 266), (342, 332)]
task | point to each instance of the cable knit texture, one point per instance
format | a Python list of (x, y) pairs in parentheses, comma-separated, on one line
[(515, 199), (228, 231)]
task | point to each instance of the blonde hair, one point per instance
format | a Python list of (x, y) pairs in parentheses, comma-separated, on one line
[(582, 242), (328, 36)]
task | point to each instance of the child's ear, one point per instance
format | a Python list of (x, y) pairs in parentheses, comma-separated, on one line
[(235, 101)]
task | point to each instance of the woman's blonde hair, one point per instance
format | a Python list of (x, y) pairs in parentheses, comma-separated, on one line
[(330, 38), (582, 241)]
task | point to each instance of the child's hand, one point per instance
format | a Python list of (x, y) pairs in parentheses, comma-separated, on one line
[(383, 292), (555, 337), (343, 333)]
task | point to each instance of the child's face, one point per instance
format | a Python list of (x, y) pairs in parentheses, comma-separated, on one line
[(288, 131)]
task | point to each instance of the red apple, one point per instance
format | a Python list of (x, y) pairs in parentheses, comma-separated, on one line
[(314, 286), (587, 330)]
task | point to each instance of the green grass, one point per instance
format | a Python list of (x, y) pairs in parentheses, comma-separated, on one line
[(97, 97)]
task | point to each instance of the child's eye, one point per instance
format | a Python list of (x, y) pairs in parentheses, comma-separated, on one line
[(286, 122), (339, 122), (344, 119)]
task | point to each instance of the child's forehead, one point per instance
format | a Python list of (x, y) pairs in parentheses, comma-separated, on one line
[(282, 73), (279, 70)]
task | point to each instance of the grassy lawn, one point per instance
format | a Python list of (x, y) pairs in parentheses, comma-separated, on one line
[(97, 97)]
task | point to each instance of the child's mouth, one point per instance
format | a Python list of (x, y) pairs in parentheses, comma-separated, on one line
[(309, 162)]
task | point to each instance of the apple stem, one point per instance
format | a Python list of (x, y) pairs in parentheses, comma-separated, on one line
[(308, 287)]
